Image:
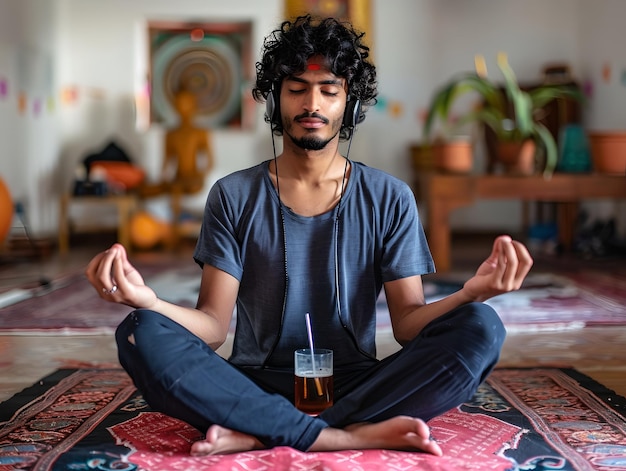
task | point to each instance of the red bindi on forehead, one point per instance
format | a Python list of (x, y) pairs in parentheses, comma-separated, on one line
[(313, 66)]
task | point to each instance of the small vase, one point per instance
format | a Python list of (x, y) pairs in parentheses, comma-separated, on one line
[(574, 150)]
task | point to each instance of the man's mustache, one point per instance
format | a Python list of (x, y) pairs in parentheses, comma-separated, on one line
[(312, 115)]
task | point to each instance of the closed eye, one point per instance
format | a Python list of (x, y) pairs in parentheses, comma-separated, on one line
[(325, 92)]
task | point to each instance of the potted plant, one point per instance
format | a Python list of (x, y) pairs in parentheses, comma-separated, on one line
[(511, 113)]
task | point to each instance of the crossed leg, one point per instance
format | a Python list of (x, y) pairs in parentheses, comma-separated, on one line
[(352, 423)]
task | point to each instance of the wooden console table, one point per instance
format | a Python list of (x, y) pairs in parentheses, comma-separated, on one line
[(441, 194)]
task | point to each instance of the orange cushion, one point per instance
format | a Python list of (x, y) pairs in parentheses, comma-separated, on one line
[(123, 174)]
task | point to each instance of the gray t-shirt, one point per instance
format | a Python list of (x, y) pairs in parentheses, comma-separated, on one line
[(373, 236)]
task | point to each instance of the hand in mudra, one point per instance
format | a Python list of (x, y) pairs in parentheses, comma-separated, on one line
[(504, 270), (117, 280)]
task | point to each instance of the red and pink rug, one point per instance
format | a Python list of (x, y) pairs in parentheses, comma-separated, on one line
[(520, 419)]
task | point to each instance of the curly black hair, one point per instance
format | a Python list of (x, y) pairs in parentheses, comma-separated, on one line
[(287, 49)]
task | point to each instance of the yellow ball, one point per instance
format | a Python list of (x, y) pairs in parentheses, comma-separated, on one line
[(146, 232)]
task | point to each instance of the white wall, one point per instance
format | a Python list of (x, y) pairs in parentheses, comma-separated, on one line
[(602, 38), (99, 48), (29, 137), (8, 101), (602, 43)]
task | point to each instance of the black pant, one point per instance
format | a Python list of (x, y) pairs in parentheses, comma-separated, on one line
[(181, 376)]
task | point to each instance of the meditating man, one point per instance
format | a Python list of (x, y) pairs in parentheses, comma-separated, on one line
[(310, 231)]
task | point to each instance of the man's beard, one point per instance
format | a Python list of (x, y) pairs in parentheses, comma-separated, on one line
[(311, 142)]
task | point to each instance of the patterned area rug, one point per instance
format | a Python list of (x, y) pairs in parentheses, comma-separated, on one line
[(564, 302), (546, 301), (520, 419), (70, 305)]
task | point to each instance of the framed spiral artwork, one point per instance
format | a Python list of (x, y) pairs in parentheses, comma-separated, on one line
[(211, 60)]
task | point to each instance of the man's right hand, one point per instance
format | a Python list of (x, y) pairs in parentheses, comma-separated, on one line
[(116, 280)]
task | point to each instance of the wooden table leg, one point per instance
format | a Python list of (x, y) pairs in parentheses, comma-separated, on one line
[(64, 230), (176, 205), (125, 208), (567, 214), (442, 198), (439, 238)]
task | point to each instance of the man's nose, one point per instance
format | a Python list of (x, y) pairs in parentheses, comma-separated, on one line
[(312, 101)]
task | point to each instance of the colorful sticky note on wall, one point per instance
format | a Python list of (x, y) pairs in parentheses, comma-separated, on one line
[(396, 109), (381, 103), (588, 88), (21, 102), (69, 95), (36, 106), (4, 87), (422, 113), (606, 72)]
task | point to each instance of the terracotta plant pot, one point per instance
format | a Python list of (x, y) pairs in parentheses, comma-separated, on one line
[(517, 158), (455, 156), (608, 152)]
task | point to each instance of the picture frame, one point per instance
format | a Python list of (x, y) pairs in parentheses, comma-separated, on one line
[(213, 60), (357, 12)]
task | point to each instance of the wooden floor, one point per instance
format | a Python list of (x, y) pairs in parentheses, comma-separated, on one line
[(596, 351)]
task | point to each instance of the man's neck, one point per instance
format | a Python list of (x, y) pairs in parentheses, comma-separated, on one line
[(310, 166), (310, 182)]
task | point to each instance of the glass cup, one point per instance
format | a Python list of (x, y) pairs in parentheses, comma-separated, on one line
[(313, 380)]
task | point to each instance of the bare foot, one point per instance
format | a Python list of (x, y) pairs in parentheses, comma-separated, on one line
[(398, 433), (221, 441)]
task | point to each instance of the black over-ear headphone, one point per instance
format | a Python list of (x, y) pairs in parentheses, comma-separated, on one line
[(272, 106), (350, 114)]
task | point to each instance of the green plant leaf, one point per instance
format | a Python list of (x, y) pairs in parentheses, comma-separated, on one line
[(541, 96), (523, 113), (443, 100), (545, 136)]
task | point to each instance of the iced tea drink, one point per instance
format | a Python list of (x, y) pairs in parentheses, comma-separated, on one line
[(313, 380)]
